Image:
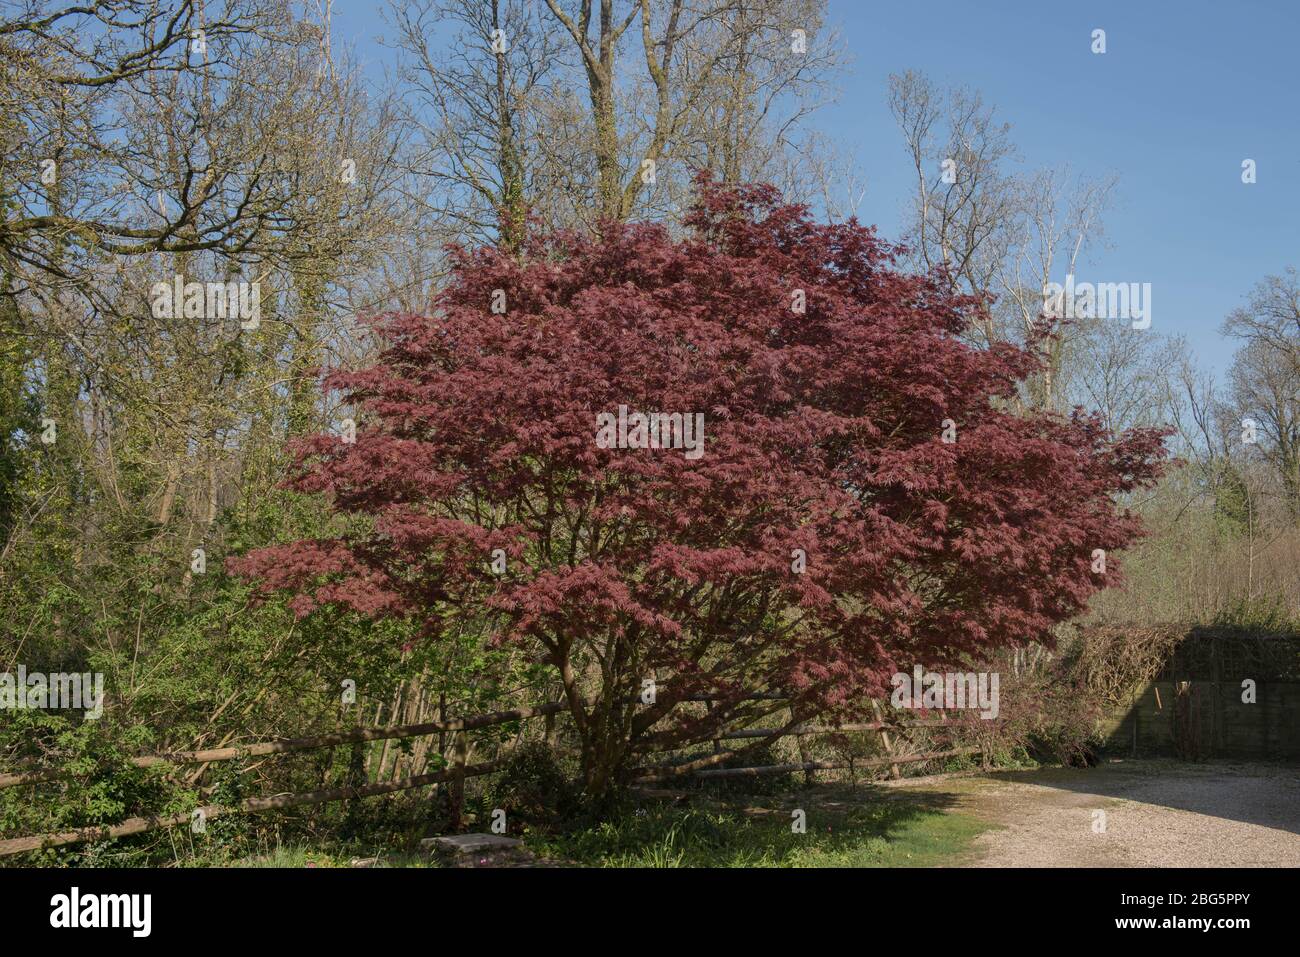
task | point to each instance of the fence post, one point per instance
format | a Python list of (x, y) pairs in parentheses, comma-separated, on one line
[(801, 742), (894, 772), (457, 789), (1139, 695), (442, 716)]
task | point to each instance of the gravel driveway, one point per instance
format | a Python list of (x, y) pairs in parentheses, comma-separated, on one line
[(1156, 814)]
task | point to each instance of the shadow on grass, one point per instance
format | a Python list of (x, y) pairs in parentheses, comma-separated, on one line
[(842, 827)]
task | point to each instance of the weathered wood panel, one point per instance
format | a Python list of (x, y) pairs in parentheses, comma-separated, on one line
[(1227, 727)]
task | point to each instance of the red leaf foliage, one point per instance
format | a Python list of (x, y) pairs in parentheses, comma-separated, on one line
[(822, 433)]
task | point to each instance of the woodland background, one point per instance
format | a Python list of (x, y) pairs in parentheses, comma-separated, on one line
[(223, 160)]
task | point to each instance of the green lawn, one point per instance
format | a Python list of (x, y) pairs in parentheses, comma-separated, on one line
[(844, 828)]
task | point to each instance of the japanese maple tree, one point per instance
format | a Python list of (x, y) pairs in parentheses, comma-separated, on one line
[(865, 500)]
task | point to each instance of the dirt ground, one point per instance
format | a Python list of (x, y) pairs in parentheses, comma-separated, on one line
[(1156, 814)]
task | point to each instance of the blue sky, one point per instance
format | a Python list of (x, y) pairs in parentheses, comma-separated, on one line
[(1184, 93)]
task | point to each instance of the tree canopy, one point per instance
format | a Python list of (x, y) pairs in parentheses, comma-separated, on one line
[(866, 499)]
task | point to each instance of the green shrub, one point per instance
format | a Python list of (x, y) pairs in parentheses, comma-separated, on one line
[(533, 789)]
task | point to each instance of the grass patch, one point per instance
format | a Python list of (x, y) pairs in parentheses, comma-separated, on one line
[(859, 828), (845, 827), (301, 856)]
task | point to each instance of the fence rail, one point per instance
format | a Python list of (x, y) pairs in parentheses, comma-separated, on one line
[(702, 767), (140, 825), (356, 736), (832, 765)]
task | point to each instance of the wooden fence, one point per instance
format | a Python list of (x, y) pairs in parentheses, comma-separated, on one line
[(699, 767), (1221, 692)]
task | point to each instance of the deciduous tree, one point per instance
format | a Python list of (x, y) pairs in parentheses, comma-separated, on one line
[(861, 504)]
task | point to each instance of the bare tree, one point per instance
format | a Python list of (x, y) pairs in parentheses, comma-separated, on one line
[(726, 85), (231, 149), (1264, 378), (998, 234), (1271, 316), (1120, 372), (476, 78)]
